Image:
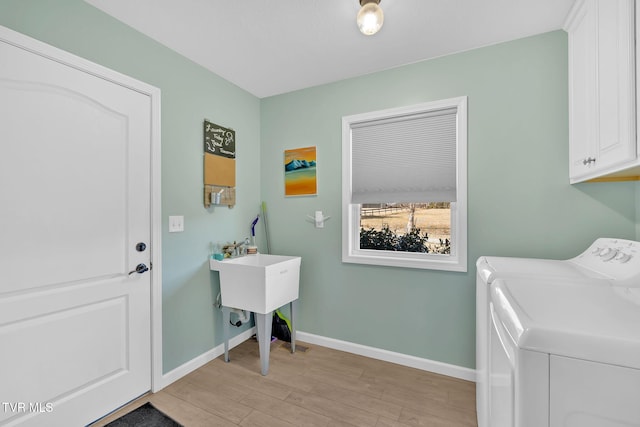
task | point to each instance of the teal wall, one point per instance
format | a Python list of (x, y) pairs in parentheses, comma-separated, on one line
[(191, 326), (520, 202)]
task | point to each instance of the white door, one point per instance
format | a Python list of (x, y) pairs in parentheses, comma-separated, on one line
[(74, 205)]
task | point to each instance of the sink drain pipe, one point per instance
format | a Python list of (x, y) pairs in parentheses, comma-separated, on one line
[(243, 315)]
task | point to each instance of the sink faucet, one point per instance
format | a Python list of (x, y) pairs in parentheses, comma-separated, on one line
[(235, 249)]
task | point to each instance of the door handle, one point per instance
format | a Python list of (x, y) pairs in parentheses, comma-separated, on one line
[(140, 268)]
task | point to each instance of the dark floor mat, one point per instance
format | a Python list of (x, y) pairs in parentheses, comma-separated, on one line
[(145, 416)]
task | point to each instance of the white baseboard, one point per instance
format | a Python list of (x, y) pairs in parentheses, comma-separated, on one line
[(203, 359), (363, 350), (390, 356)]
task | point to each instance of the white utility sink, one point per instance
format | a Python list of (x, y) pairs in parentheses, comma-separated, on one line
[(259, 283)]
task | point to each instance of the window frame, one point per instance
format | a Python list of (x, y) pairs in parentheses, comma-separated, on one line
[(351, 252)]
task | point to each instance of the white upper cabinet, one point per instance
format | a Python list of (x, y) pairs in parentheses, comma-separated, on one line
[(602, 113)]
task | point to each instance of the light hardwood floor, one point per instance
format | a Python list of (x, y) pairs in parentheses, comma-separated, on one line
[(319, 387)]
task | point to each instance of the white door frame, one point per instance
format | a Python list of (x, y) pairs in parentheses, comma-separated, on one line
[(33, 45)]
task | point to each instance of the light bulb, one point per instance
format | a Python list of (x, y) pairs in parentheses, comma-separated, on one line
[(370, 18)]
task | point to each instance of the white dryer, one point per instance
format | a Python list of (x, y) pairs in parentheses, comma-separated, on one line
[(490, 268), (566, 353)]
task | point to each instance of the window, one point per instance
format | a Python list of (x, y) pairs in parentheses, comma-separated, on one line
[(409, 161)]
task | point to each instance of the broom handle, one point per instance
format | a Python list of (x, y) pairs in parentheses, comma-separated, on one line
[(266, 228)]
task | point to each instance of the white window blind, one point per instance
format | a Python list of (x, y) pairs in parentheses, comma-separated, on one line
[(405, 159)]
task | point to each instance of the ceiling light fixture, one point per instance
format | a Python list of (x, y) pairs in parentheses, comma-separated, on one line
[(370, 17)]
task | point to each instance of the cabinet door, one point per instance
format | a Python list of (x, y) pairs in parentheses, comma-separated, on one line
[(601, 87), (582, 86), (615, 140)]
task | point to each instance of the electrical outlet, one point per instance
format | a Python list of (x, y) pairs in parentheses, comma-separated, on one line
[(176, 224)]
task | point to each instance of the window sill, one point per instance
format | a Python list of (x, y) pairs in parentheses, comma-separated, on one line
[(406, 260)]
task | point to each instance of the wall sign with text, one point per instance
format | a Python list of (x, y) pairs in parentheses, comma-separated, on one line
[(219, 165)]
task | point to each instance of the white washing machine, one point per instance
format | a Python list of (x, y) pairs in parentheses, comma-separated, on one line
[(564, 352), (489, 269)]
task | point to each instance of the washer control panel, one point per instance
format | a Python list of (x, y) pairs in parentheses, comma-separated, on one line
[(617, 259)]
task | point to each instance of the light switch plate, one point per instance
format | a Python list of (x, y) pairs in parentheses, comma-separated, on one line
[(176, 224)]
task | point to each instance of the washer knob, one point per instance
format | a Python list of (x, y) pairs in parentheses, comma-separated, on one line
[(608, 254), (622, 257)]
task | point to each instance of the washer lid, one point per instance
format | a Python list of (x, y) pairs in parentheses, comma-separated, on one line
[(491, 268), (585, 320)]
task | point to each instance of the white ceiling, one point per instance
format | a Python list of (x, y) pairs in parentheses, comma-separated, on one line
[(269, 47)]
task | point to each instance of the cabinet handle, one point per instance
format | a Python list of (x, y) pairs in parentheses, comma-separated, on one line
[(589, 160)]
